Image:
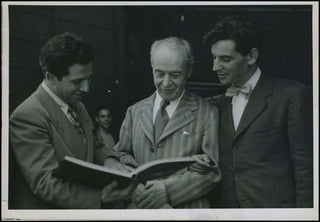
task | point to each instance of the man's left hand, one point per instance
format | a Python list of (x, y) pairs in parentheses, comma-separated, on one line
[(155, 196)]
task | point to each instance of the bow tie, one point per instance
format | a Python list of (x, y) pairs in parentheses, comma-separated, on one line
[(234, 91)]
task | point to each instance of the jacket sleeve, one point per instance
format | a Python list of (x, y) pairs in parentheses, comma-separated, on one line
[(300, 136), (30, 140), (189, 185)]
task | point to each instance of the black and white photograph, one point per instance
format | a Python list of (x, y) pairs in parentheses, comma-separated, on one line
[(160, 110)]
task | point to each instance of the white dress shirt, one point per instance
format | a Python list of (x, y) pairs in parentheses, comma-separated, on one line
[(240, 101), (170, 108), (63, 106)]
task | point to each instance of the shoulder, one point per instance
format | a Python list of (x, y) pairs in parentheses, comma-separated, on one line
[(142, 103), (287, 84), (202, 103), (30, 106), (290, 88), (216, 99)]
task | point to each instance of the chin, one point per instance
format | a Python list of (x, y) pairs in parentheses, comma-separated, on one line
[(169, 97), (225, 83)]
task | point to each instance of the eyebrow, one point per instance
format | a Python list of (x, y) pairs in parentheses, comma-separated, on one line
[(174, 71), (77, 79), (223, 56)]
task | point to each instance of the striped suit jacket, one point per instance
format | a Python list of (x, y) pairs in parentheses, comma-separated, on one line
[(193, 129)]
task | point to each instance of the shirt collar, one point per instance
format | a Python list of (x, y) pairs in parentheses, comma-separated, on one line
[(254, 79), (63, 106), (159, 98)]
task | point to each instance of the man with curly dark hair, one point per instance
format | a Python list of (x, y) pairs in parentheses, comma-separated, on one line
[(51, 124)]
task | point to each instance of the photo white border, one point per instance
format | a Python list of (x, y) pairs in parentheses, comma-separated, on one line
[(160, 214)]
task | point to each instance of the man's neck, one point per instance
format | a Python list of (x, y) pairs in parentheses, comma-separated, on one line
[(251, 71), (105, 130)]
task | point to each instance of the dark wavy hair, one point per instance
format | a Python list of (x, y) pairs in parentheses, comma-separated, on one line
[(101, 107), (62, 51), (243, 32)]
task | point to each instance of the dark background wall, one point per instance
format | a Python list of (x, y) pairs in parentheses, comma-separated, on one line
[(121, 37)]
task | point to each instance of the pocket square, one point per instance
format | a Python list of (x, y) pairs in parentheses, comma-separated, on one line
[(185, 133)]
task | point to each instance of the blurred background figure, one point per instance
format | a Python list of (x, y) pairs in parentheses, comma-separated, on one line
[(103, 118)]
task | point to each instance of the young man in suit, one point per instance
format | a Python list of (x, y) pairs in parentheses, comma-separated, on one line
[(265, 130), (189, 127), (51, 124)]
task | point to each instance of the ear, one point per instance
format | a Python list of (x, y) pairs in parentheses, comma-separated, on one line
[(189, 73), (96, 119), (49, 76), (253, 56), (189, 69)]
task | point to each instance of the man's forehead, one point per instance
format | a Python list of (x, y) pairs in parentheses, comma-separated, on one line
[(221, 47), (104, 111)]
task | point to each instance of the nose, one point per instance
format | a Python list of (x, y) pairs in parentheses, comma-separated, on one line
[(166, 80), (216, 65), (85, 86)]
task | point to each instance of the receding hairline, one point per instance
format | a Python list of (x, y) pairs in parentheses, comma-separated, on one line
[(172, 44)]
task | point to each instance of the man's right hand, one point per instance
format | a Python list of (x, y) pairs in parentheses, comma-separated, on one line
[(111, 193), (115, 164), (202, 164)]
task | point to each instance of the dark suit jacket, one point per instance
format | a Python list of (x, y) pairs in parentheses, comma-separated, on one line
[(268, 161), (40, 137)]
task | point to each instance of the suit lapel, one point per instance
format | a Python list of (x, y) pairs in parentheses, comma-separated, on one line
[(146, 118), (182, 115), (62, 124), (226, 116), (256, 103)]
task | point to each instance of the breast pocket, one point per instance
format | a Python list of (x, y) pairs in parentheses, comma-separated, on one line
[(268, 130), (266, 143)]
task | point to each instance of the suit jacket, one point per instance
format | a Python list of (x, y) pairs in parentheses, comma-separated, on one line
[(191, 130), (267, 161), (40, 137)]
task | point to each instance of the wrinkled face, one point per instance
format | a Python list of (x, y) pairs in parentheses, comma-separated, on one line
[(104, 118), (169, 73), (72, 87), (230, 66)]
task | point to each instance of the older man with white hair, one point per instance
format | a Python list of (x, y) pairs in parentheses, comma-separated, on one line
[(171, 123)]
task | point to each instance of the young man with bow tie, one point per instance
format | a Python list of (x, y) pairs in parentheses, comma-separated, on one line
[(171, 123), (265, 130)]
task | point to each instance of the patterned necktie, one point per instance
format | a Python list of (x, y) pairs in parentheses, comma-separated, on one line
[(235, 91), (76, 123), (161, 120)]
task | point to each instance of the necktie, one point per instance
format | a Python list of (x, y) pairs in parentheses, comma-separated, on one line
[(161, 120), (76, 123), (235, 91)]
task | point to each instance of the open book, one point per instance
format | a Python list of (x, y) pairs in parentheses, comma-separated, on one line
[(99, 176)]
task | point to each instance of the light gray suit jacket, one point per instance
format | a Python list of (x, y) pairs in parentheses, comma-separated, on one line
[(40, 137), (193, 129)]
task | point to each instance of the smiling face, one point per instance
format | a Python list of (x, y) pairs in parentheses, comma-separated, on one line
[(72, 87), (104, 118), (169, 72), (230, 66)]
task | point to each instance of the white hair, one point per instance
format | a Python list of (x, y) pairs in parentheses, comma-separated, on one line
[(173, 43)]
